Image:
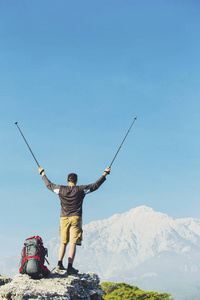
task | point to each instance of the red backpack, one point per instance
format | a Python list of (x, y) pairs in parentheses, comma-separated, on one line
[(33, 257)]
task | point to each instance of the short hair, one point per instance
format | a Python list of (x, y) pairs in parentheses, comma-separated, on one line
[(72, 177)]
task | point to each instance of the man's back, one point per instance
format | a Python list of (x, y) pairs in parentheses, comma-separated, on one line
[(71, 197), (71, 200)]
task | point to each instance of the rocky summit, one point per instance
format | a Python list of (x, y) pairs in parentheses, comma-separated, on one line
[(4, 280), (83, 286)]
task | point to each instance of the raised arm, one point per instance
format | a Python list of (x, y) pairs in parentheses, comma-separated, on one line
[(94, 186), (51, 186)]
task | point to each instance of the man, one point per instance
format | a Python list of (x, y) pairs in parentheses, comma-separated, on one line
[(71, 200)]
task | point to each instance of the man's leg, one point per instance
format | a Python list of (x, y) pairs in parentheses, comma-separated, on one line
[(72, 253), (62, 250), (75, 239), (61, 255), (64, 233)]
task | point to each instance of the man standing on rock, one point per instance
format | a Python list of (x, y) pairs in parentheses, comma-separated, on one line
[(71, 200)]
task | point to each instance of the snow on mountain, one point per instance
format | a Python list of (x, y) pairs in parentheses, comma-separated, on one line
[(140, 233)]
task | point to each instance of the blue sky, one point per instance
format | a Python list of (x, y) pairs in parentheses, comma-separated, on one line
[(74, 74)]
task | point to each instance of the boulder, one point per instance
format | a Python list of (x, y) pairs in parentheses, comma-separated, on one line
[(83, 286)]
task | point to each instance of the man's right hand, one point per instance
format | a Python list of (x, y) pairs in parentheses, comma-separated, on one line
[(41, 171)]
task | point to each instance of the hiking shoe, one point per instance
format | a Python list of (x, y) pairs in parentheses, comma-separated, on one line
[(71, 271), (60, 268)]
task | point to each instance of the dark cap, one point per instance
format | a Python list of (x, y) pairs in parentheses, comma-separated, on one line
[(72, 177)]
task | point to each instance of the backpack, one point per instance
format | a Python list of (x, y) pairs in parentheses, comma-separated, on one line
[(33, 257)]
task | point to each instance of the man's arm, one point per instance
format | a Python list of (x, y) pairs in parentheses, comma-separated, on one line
[(94, 186), (51, 186)]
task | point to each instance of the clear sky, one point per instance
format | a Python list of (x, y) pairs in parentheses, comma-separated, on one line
[(74, 74)]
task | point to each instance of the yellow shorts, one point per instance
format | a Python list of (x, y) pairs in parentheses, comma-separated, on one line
[(71, 230)]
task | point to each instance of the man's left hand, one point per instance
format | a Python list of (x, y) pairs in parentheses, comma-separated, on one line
[(107, 171)]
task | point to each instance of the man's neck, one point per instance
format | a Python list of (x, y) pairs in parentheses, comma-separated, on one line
[(71, 184)]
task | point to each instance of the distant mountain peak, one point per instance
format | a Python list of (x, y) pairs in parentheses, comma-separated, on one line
[(142, 209)]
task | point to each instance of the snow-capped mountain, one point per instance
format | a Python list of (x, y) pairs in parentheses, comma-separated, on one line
[(142, 247)]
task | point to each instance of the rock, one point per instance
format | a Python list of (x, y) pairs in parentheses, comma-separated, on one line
[(83, 286), (4, 280)]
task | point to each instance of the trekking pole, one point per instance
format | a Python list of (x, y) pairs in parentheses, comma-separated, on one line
[(27, 144), (123, 141)]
